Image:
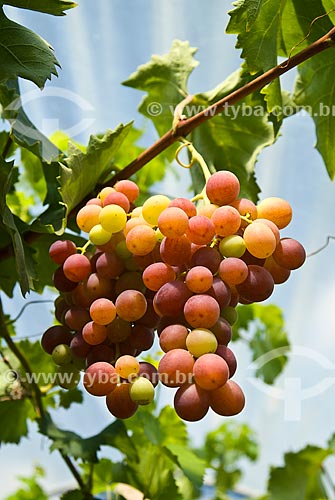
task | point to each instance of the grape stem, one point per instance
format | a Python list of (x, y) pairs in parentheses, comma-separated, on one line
[(196, 157), (85, 247)]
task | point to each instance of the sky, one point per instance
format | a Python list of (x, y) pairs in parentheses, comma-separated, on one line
[(99, 45)]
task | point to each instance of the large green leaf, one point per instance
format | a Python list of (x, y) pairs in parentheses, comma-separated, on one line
[(54, 7), (164, 78), (6, 175), (300, 477), (23, 53), (264, 331), (81, 172)]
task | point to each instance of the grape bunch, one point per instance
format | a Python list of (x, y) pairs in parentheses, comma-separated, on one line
[(172, 269)]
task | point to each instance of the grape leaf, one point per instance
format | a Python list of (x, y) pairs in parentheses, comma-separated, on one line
[(317, 95), (31, 489), (300, 477), (81, 172), (190, 464), (164, 78), (54, 7), (73, 495), (266, 333), (15, 413), (6, 175), (68, 442), (23, 53), (23, 130)]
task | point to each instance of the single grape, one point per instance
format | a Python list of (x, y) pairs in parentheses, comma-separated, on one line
[(61, 354), (201, 341), (79, 347), (176, 368), (191, 402), (157, 274), (258, 286), (141, 240), (279, 274), (201, 230), (127, 367), (97, 287), (76, 317), (77, 267), (233, 271), (109, 265), (207, 210), (93, 333), (227, 400), (186, 205), (289, 253), (128, 188), (199, 279), (221, 292), (131, 305), (67, 376), (207, 257), (171, 298), (61, 282), (60, 250), (275, 209), (153, 207), (201, 311), (102, 311), (175, 251), (226, 220), (119, 330), (173, 337), (105, 192), (222, 330), (271, 225), (142, 391), (142, 337), (210, 371), (246, 208), (130, 280), (100, 378), (222, 188), (119, 402), (88, 217), (99, 236), (230, 314), (100, 352), (112, 218), (115, 198), (259, 240), (173, 222), (232, 246)]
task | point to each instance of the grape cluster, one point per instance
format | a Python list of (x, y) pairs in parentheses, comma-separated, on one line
[(168, 268)]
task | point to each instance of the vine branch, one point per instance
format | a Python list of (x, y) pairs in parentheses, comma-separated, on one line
[(185, 127)]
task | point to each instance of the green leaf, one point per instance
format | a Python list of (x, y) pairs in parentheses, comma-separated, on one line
[(23, 130), (164, 78), (32, 490), (266, 337), (72, 444), (67, 398), (257, 24), (54, 7), (73, 495), (15, 413), (219, 139), (81, 172), (6, 174), (24, 54), (316, 93), (300, 477), (191, 465)]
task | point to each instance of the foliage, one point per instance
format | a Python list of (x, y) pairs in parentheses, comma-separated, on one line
[(56, 175)]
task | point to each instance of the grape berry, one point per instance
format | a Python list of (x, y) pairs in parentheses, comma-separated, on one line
[(172, 269)]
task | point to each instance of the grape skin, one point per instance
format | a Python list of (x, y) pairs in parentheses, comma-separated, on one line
[(191, 402)]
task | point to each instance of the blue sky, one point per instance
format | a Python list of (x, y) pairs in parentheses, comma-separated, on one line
[(99, 44)]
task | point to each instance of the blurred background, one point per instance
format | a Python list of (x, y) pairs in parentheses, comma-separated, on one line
[(99, 44)]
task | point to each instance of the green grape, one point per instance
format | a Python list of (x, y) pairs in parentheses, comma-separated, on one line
[(62, 354), (99, 236), (142, 391), (201, 341), (232, 246)]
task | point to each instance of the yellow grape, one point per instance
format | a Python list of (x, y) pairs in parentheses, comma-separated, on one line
[(153, 207), (275, 209), (99, 236), (259, 240), (113, 218)]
